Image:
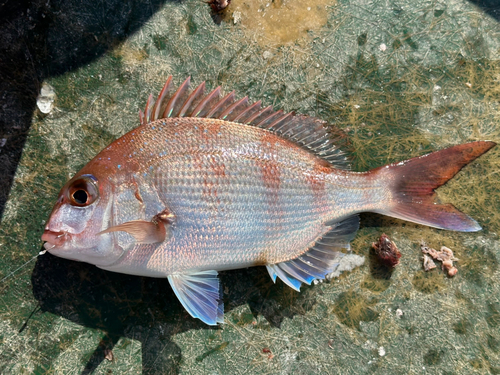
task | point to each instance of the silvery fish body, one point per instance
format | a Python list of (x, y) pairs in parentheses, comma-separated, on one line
[(207, 184)]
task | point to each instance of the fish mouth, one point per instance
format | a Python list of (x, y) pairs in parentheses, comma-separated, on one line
[(53, 239)]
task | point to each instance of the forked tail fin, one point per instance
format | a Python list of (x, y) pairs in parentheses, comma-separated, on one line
[(413, 182)]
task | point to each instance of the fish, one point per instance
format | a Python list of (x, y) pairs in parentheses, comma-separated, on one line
[(208, 183)]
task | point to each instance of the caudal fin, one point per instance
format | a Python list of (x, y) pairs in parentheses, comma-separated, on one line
[(413, 182)]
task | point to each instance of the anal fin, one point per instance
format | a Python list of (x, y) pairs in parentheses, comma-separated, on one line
[(200, 294), (320, 260)]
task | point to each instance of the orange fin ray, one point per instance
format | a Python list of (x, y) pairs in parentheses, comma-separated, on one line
[(414, 181), (308, 132), (145, 232)]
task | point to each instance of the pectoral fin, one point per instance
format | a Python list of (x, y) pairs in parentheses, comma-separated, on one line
[(153, 231), (199, 293), (142, 231)]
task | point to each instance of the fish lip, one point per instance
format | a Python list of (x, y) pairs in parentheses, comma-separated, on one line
[(53, 239)]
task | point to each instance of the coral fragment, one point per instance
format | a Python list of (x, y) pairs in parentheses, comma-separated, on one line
[(386, 251), (444, 255)]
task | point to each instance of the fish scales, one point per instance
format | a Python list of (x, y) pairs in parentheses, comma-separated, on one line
[(207, 184), (254, 213)]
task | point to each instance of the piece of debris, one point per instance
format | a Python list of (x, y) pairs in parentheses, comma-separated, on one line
[(399, 313), (381, 351), (452, 271), (347, 263), (444, 255), (236, 17), (108, 354), (267, 55), (330, 344), (428, 263), (269, 353), (386, 251), (45, 101), (218, 5)]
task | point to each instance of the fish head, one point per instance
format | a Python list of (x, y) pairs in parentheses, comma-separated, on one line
[(81, 212)]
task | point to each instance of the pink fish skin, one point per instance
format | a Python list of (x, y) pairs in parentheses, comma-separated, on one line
[(207, 184)]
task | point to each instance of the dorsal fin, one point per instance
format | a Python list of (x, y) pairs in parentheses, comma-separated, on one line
[(308, 132)]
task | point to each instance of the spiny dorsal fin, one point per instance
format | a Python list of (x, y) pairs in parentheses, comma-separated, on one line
[(308, 132)]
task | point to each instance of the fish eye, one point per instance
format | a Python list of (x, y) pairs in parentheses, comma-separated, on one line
[(80, 196), (83, 191)]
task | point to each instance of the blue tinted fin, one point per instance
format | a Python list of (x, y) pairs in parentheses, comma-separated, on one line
[(320, 260), (200, 294), (275, 270)]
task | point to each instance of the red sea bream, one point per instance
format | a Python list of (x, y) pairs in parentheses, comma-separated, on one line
[(206, 184)]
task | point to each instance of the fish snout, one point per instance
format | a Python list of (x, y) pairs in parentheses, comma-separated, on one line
[(53, 239)]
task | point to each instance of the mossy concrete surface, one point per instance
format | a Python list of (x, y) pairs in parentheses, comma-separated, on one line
[(402, 78)]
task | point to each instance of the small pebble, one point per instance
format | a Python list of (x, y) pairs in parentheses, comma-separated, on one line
[(236, 17), (45, 101), (381, 351)]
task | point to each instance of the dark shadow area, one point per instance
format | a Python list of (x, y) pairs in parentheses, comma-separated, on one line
[(41, 39), (146, 309), (373, 220), (491, 7)]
